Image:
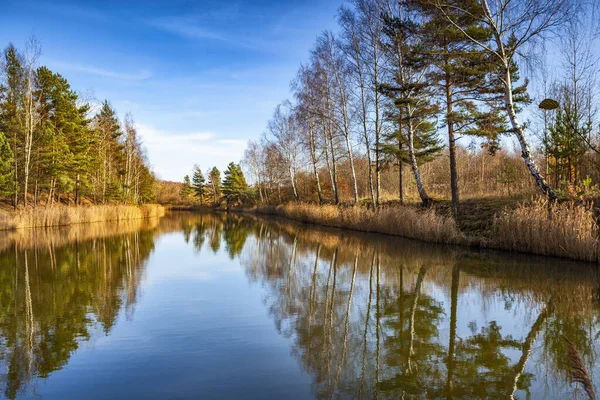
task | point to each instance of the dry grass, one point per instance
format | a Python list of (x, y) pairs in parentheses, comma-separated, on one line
[(63, 215), (409, 222), (563, 230)]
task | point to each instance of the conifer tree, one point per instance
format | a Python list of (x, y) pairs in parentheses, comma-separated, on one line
[(409, 90), (11, 115), (6, 167), (214, 181), (110, 149), (186, 189), (461, 75), (427, 146), (234, 186), (199, 183)]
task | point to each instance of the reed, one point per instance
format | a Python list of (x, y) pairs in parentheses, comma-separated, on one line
[(410, 222), (578, 371), (561, 229), (42, 217)]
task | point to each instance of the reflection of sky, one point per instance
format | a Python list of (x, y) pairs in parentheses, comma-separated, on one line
[(198, 331), (203, 326)]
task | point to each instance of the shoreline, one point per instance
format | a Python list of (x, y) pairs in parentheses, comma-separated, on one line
[(61, 215), (429, 227)]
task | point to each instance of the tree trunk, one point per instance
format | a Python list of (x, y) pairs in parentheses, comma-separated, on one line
[(512, 115), (367, 143), (425, 199), (351, 158), (333, 170), (293, 178), (451, 146), (313, 156)]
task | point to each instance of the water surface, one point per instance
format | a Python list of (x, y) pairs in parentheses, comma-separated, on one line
[(238, 307)]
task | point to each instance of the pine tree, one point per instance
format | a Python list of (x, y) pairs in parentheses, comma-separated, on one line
[(566, 144), (199, 184), (214, 181), (427, 146), (110, 150), (6, 167), (408, 89), (186, 189), (65, 159), (461, 75), (11, 114), (234, 186)]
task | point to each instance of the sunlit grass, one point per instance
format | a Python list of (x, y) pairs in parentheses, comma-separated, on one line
[(405, 221), (561, 229), (62, 215)]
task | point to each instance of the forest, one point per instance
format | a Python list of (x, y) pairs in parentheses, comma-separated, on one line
[(59, 147), (430, 100)]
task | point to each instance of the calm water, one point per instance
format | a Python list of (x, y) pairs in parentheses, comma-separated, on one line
[(228, 307)]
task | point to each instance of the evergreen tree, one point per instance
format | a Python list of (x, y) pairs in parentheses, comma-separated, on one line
[(427, 146), (110, 150), (11, 113), (566, 145), (186, 189), (461, 75), (214, 181), (199, 184), (234, 186), (409, 90), (6, 167), (65, 159)]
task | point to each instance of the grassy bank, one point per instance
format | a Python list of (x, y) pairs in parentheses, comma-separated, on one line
[(409, 222), (42, 217), (562, 230)]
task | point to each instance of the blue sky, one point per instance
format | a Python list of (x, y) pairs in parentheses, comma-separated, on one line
[(199, 77)]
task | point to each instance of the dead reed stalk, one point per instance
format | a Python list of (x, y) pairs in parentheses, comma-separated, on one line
[(42, 217), (404, 221), (578, 371), (559, 229)]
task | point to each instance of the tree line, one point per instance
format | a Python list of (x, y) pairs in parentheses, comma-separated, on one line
[(403, 81), (233, 190), (55, 149)]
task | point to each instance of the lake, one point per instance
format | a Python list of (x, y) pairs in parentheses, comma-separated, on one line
[(224, 306)]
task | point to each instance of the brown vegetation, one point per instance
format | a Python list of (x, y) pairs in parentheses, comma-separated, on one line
[(64, 215), (563, 229), (409, 222)]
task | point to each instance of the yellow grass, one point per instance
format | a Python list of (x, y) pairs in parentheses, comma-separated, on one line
[(409, 222), (564, 230), (64, 215)]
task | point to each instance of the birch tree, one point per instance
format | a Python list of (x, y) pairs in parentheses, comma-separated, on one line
[(515, 27), (282, 128)]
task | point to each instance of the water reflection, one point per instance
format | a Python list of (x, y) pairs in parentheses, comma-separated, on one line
[(368, 316), (377, 317)]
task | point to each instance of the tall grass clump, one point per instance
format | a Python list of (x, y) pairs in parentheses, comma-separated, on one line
[(559, 229), (404, 221), (64, 215)]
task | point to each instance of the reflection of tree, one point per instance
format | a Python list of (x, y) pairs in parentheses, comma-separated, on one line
[(412, 352), (50, 297), (364, 327)]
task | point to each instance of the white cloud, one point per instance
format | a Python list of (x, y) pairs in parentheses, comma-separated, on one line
[(107, 73), (173, 155)]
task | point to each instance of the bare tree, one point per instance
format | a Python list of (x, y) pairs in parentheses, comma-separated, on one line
[(32, 54), (305, 87), (283, 129)]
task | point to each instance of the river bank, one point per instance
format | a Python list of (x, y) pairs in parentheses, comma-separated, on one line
[(559, 230), (43, 217)]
